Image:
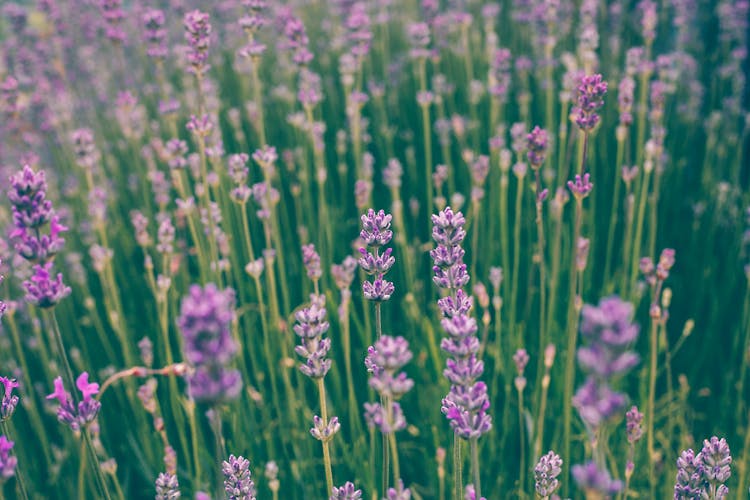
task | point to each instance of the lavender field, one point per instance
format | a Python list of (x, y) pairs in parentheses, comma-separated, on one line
[(381, 249)]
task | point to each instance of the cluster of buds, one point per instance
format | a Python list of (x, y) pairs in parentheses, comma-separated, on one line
[(376, 233), (655, 276), (77, 415), (383, 361)]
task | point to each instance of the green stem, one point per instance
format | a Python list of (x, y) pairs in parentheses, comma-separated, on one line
[(19, 475), (474, 444), (651, 404), (324, 442)]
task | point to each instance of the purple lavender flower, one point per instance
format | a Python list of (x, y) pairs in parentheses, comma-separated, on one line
[(9, 401), (536, 147), (205, 319), (383, 361), (346, 492), (609, 332), (43, 290), (198, 38), (590, 97), (311, 326), (322, 431), (595, 481), (155, 34), (311, 261), (113, 15), (634, 425), (398, 493), (546, 472), (467, 402), (376, 233), (690, 482), (716, 459), (85, 412), (8, 463), (237, 482), (32, 211), (167, 487), (470, 493), (582, 186)]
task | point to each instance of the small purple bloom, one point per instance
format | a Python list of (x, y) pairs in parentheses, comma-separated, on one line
[(634, 425), (8, 463), (9, 401), (167, 487), (87, 409), (581, 187), (590, 97), (546, 472), (346, 492), (206, 314), (237, 482), (536, 147), (593, 480)]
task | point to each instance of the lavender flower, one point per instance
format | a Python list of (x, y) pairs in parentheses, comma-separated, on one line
[(595, 481), (205, 318), (581, 187), (8, 463), (590, 98), (690, 482), (546, 472), (634, 425), (167, 487), (198, 38), (536, 147), (383, 361), (716, 459), (376, 233), (9, 401), (85, 412), (467, 403), (155, 34), (398, 493), (346, 492), (237, 482), (32, 211), (311, 261), (311, 326)]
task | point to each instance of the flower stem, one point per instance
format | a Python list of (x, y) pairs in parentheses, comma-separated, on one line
[(324, 442), (474, 444), (19, 476), (651, 404)]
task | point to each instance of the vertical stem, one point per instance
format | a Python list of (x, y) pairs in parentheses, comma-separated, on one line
[(522, 445), (615, 209), (101, 482), (516, 255), (651, 404), (326, 451), (572, 330), (474, 444), (457, 468)]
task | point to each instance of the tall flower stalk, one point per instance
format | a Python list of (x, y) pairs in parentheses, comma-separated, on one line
[(466, 405), (310, 328)]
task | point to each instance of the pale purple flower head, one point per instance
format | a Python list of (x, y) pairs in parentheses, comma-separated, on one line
[(634, 425), (237, 482), (155, 34), (311, 261), (590, 98), (8, 463), (521, 359), (43, 289), (9, 401), (546, 471), (398, 493), (376, 228), (311, 326), (77, 416), (198, 37), (609, 332), (167, 487), (206, 315), (716, 459), (597, 403), (537, 143), (346, 492), (581, 187), (591, 479), (690, 482)]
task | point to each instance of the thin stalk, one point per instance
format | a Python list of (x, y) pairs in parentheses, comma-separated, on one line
[(651, 404), (474, 445), (636, 247), (100, 480), (615, 208), (522, 443), (326, 451), (458, 488), (572, 333), (427, 135), (542, 410), (516, 255)]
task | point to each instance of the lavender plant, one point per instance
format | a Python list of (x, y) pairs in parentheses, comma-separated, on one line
[(165, 161)]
